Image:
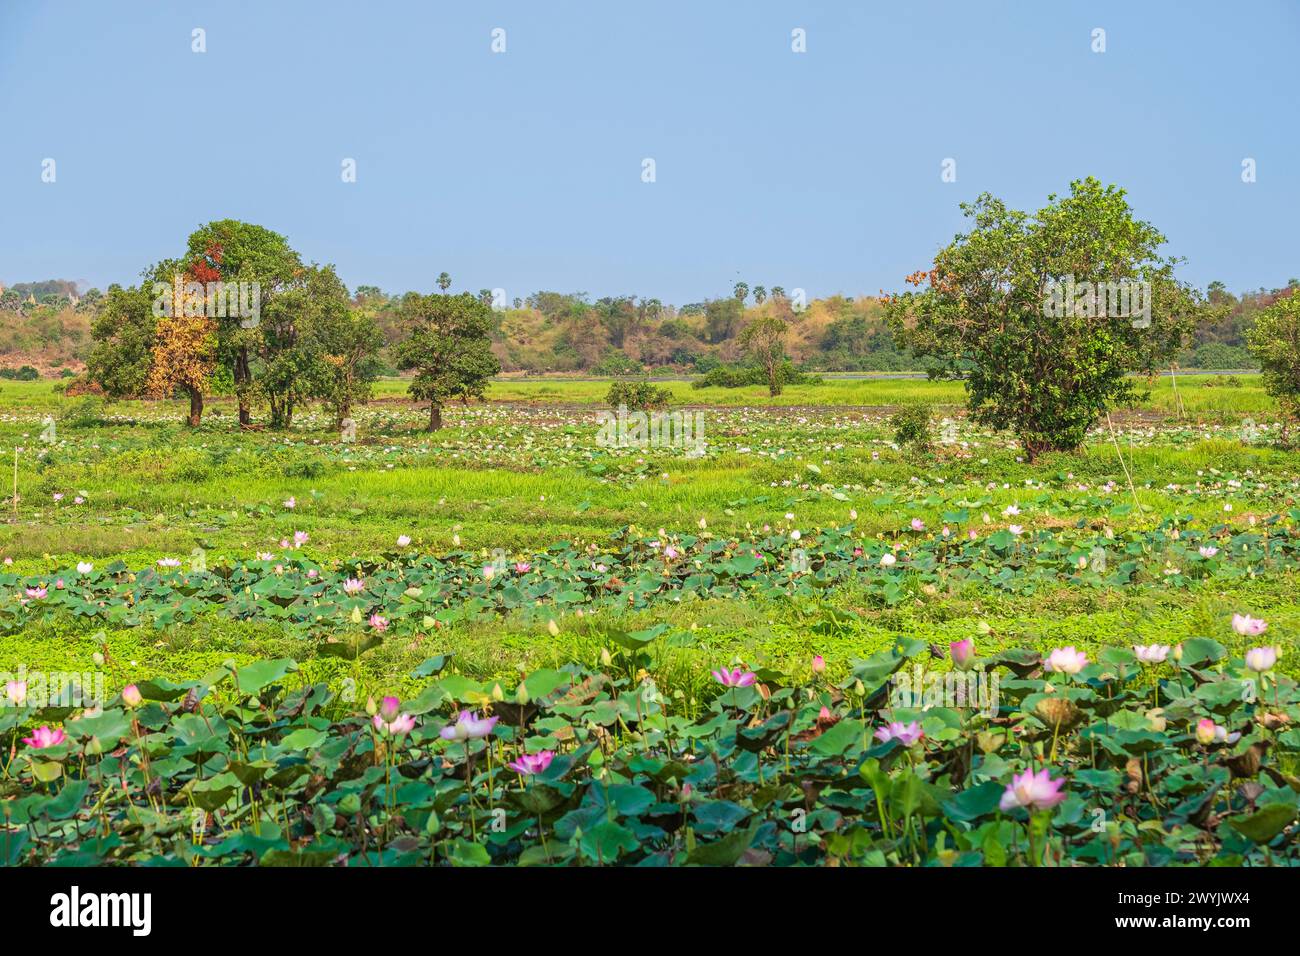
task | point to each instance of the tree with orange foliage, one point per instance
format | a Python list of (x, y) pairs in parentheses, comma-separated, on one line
[(184, 351)]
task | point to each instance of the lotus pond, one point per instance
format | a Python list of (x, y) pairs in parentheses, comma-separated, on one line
[(508, 643)]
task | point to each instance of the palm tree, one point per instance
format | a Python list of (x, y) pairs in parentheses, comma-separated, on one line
[(741, 291), (444, 282)]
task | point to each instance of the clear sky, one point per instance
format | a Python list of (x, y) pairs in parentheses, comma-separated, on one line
[(523, 170)]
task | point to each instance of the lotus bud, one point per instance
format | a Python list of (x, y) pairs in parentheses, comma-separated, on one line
[(131, 696), (605, 659), (371, 707)]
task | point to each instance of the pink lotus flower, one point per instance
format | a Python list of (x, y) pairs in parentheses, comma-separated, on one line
[(918, 524), (734, 678), (389, 708), (16, 692), (353, 586), (1261, 659), (379, 622), (1248, 626), (468, 727), (396, 726), (37, 592), (300, 538), (1208, 551), (1151, 653), (403, 540), (291, 502), (818, 664), (1036, 791), (43, 737), (1066, 660), (962, 652), (1208, 732), (522, 567), (670, 552), (131, 696), (169, 562), (532, 763), (906, 734)]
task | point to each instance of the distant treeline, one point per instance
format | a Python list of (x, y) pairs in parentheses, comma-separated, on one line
[(47, 325)]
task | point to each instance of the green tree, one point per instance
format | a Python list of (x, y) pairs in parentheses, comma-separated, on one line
[(449, 349), (123, 332), (764, 341), (349, 343), (231, 251), (760, 295), (1044, 364), (1274, 340), (292, 340), (741, 292), (722, 317), (444, 281)]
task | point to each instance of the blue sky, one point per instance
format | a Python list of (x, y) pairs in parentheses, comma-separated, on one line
[(522, 170)]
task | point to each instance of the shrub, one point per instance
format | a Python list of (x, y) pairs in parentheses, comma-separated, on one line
[(740, 376), (617, 364), (911, 425), (25, 374), (638, 395), (1275, 341)]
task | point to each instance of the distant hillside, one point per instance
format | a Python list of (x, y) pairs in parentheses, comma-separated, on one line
[(558, 332), (46, 325)]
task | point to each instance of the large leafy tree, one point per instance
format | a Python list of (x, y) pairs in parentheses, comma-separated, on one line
[(1045, 372), (448, 347), (232, 251), (1274, 340), (763, 340), (184, 352), (348, 343), (123, 332), (292, 345)]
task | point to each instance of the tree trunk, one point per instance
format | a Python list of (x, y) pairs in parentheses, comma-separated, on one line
[(435, 417), (196, 407), (243, 378)]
